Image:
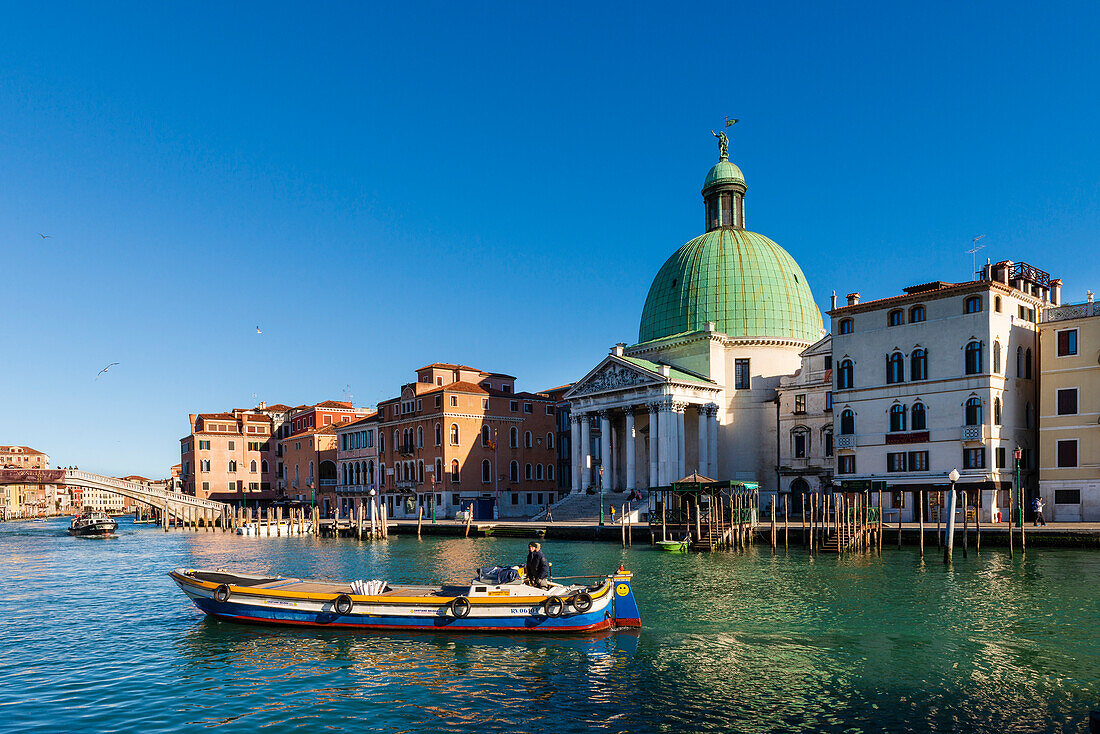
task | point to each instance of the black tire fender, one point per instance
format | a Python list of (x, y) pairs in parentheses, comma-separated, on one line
[(582, 602), (221, 594), (459, 607), (553, 607), (343, 605)]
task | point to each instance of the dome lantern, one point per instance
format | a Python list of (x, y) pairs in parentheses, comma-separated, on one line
[(724, 190)]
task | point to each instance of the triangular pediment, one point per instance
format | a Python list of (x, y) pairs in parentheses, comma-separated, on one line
[(614, 374)]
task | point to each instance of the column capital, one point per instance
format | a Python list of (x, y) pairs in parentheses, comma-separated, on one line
[(680, 407), (603, 414), (712, 409), (575, 418), (663, 406)]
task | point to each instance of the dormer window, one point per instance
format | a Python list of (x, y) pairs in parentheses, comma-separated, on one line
[(895, 318)]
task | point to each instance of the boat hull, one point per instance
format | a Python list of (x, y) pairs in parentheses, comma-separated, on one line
[(516, 615), (98, 529)]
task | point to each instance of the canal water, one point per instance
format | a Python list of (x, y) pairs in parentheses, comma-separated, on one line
[(97, 639)]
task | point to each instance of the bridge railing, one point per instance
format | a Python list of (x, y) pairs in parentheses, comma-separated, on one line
[(148, 493)]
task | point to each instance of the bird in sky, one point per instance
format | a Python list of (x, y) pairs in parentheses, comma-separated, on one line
[(112, 364), (258, 330), (45, 236)]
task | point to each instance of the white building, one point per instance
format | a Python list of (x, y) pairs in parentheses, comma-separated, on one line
[(727, 317), (941, 377), (805, 444)]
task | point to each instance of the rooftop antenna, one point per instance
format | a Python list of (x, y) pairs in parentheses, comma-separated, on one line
[(348, 397), (973, 252)]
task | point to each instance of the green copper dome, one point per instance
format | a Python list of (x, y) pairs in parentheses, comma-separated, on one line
[(740, 280), (723, 172)]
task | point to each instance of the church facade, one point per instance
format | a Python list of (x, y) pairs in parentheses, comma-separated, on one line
[(727, 316)]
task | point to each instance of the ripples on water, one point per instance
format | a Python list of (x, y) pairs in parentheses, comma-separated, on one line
[(98, 639)]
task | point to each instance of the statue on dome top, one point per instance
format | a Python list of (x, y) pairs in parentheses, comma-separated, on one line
[(723, 145)]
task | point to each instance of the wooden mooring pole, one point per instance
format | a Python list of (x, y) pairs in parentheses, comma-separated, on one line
[(786, 524), (920, 519), (775, 509), (419, 520), (966, 521)]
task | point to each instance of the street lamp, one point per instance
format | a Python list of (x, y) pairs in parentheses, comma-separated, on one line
[(949, 544), (1017, 455)]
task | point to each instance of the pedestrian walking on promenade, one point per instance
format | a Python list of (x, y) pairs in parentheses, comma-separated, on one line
[(1038, 506)]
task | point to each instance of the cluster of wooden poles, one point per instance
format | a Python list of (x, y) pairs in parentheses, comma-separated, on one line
[(269, 521), (729, 522)]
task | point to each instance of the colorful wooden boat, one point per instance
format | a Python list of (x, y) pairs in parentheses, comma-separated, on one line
[(503, 603)]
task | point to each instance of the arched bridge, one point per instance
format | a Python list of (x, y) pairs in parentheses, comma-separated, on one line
[(156, 497)]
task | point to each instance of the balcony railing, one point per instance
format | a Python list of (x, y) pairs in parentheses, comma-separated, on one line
[(845, 441), (406, 449), (328, 482), (973, 433)]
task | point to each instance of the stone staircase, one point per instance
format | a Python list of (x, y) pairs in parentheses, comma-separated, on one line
[(586, 507)]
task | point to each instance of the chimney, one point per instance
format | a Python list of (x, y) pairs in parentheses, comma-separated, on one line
[(263, 404), (710, 327), (832, 302), (853, 299), (664, 369), (1056, 291), (987, 270), (617, 350)]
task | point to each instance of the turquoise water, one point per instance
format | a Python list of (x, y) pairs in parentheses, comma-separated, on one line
[(96, 638)]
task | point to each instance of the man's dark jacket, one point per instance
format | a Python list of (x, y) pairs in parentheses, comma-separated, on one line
[(537, 566)]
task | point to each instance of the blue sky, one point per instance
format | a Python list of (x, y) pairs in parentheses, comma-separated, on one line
[(490, 184)]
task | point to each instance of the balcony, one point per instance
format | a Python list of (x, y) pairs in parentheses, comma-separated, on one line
[(973, 433), (328, 482), (845, 441), (406, 449)]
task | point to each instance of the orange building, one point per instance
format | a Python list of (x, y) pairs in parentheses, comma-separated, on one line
[(309, 466), (229, 457), (467, 438)]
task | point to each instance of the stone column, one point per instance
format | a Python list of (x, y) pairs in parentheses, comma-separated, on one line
[(630, 479), (704, 434), (664, 442), (681, 442), (586, 451), (605, 448), (575, 453), (712, 439), (653, 439)]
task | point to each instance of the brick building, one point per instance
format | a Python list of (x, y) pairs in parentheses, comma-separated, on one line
[(467, 438)]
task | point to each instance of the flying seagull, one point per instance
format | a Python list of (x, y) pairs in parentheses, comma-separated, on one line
[(112, 364), (45, 236), (258, 330)]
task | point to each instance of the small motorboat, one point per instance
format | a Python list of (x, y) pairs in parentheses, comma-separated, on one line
[(672, 546), (92, 524), (282, 527), (497, 599)]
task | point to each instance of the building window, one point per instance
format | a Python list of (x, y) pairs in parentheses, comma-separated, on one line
[(974, 412), (973, 358), (206, 486), (897, 418), (974, 458), (846, 464), (550, 440), (538, 474), (1027, 364), (844, 376), (996, 411), (1000, 457), (454, 471), (741, 374), (847, 423), (204, 465), (1067, 342), (527, 440), (918, 461), (997, 304), (799, 404), (528, 408), (513, 406), (252, 467), (845, 326), (828, 401), (918, 368), (895, 368), (916, 314), (513, 437), (513, 471), (454, 434), (204, 445), (827, 434), (996, 357), (454, 401), (549, 471), (973, 304), (800, 440), (895, 318), (895, 462), (549, 410), (1067, 496), (438, 434), (419, 437), (1067, 452), (527, 472), (1067, 401), (515, 498), (486, 471), (232, 467), (485, 435), (263, 466)]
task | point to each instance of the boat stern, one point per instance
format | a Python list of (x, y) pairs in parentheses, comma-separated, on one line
[(625, 611)]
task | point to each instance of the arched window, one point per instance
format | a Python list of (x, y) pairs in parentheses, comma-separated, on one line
[(897, 418), (538, 472), (996, 356), (396, 440), (370, 472), (918, 418), (974, 412), (844, 375), (997, 304), (1020, 362), (252, 466), (311, 472), (485, 435), (527, 472), (800, 442), (549, 471), (232, 466), (344, 470), (550, 440), (419, 437), (845, 326), (420, 471), (996, 411), (527, 439), (406, 444), (486, 471), (263, 466), (357, 475), (438, 434), (973, 304), (895, 318), (918, 364), (454, 434), (454, 471), (513, 437), (847, 423), (895, 368), (973, 358), (204, 465), (381, 475), (1027, 364), (827, 439), (513, 471), (916, 314)]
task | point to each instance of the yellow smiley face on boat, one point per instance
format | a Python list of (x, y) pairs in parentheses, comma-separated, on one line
[(622, 589)]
